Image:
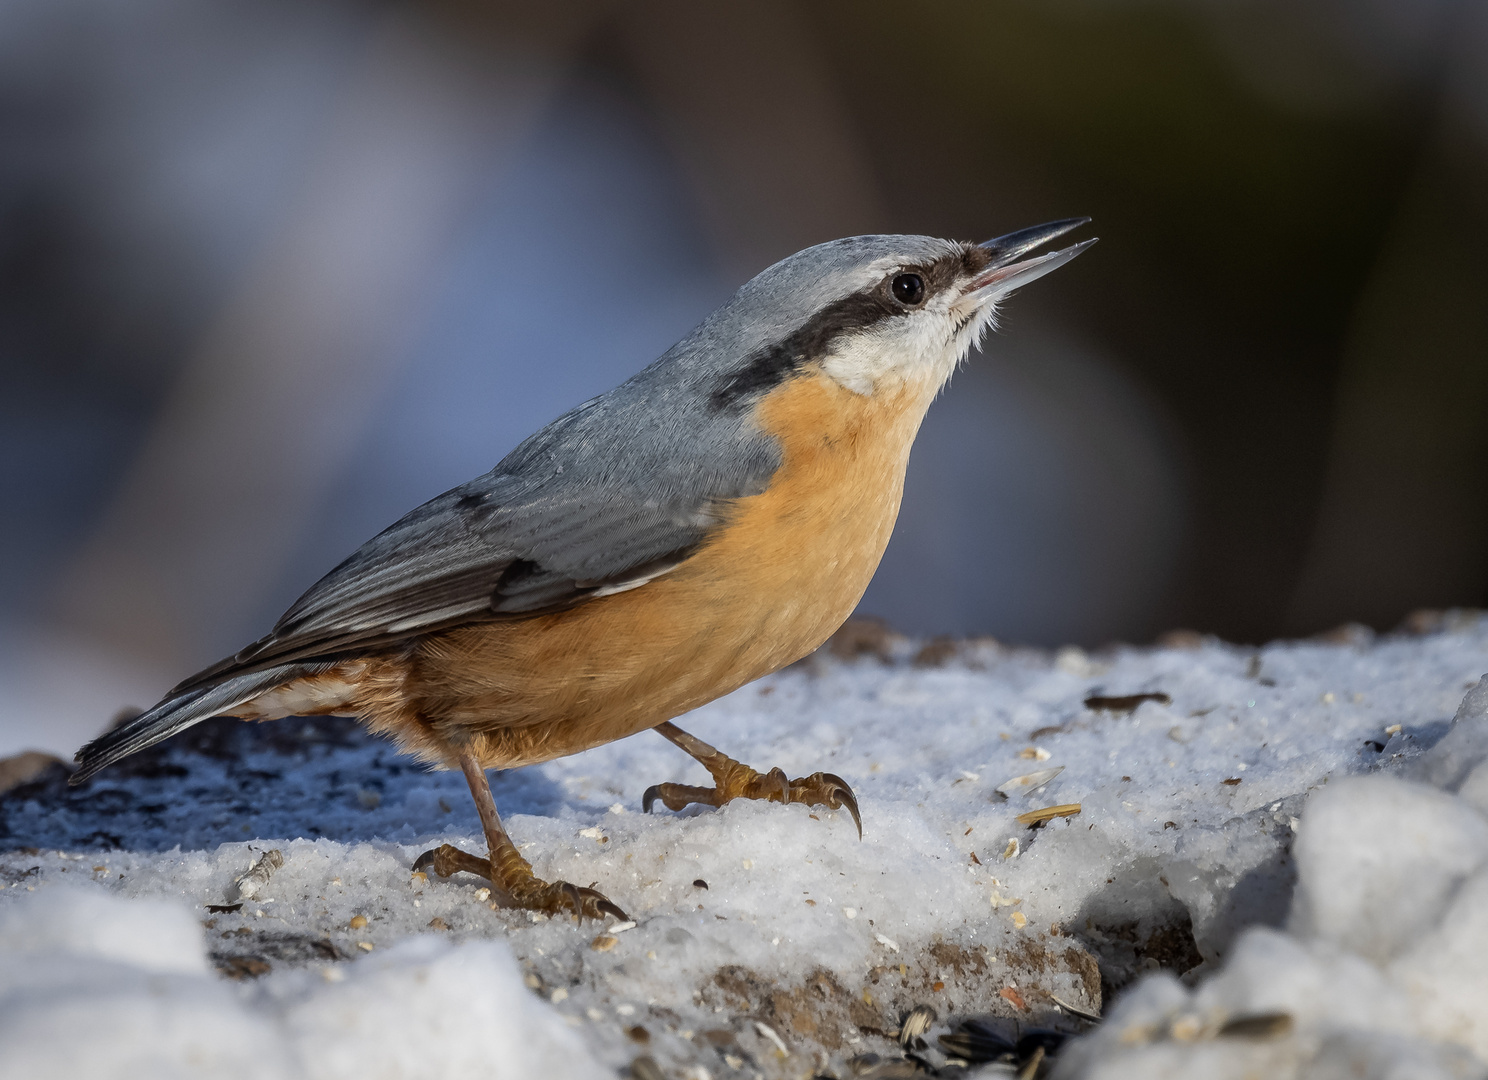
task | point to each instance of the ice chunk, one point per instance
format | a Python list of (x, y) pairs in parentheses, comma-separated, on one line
[(1474, 789), (1281, 1008), (1378, 858), (106, 988), (1234, 876), (96, 986), (152, 935), (431, 1009), (1270, 973), (1447, 764), (1444, 972)]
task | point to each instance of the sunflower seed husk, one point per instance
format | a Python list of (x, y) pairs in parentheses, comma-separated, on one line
[(252, 883), (1028, 783)]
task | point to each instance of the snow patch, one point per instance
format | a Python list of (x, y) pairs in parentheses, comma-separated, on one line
[(106, 987), (1380, 972), (1277, 864)]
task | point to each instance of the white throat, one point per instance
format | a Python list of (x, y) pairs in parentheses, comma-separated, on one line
[(922, 347)]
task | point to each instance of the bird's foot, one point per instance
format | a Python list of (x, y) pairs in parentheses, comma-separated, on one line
[(517, 886), (735, 780)]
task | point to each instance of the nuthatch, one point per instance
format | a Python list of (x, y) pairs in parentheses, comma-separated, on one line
[(710, 520)]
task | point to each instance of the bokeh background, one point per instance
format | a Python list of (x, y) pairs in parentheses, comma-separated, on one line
[(272, 273)]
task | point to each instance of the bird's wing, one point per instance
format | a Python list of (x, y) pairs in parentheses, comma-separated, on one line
[(573, 515)]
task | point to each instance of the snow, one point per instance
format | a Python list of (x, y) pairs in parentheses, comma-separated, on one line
[(1381, 968), (1279, 867), (131, 978)]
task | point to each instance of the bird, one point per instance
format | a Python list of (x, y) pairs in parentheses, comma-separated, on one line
[(710, 520)]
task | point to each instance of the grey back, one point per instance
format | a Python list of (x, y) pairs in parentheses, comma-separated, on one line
[(620, 488)]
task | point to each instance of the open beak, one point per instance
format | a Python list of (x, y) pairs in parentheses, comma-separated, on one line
[(1006, 273)]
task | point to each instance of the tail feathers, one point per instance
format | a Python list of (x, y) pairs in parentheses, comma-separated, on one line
[(178, 713)]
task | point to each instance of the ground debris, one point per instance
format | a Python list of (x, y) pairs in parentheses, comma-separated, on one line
[(1124, 703), (252, 883), (1029, 783), (1258, 1026), (914, 1024), (864, 636), (1038, 817), (241, 967)]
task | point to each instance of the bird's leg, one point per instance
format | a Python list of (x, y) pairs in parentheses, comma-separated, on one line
[(735, 780), (515, 884)]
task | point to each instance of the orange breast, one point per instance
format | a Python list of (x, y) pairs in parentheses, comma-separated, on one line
[(768, 588)]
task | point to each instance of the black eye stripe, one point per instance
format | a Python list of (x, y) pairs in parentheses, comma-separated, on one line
[(773, 365)]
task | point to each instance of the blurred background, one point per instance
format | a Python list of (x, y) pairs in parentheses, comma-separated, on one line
[(273, 273)]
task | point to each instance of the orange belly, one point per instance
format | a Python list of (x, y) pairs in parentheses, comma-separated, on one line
[(769, 587)]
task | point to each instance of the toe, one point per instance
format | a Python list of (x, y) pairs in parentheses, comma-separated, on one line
[(447, 860), (775, 786), (678, 796)]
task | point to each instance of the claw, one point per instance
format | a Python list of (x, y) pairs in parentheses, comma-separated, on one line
[(840, 794), (585, 903), (649, 797), (566, 896), (830, 790), (609, 907)]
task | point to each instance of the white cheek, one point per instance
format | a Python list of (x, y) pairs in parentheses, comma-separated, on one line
[(922, 346)]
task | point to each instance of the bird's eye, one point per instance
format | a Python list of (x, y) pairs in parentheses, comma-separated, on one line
[(908, 289)]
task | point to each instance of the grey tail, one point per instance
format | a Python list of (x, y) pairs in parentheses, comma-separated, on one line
[(177, 713)]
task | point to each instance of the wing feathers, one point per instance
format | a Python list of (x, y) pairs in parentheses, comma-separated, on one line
[(605, 499)]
